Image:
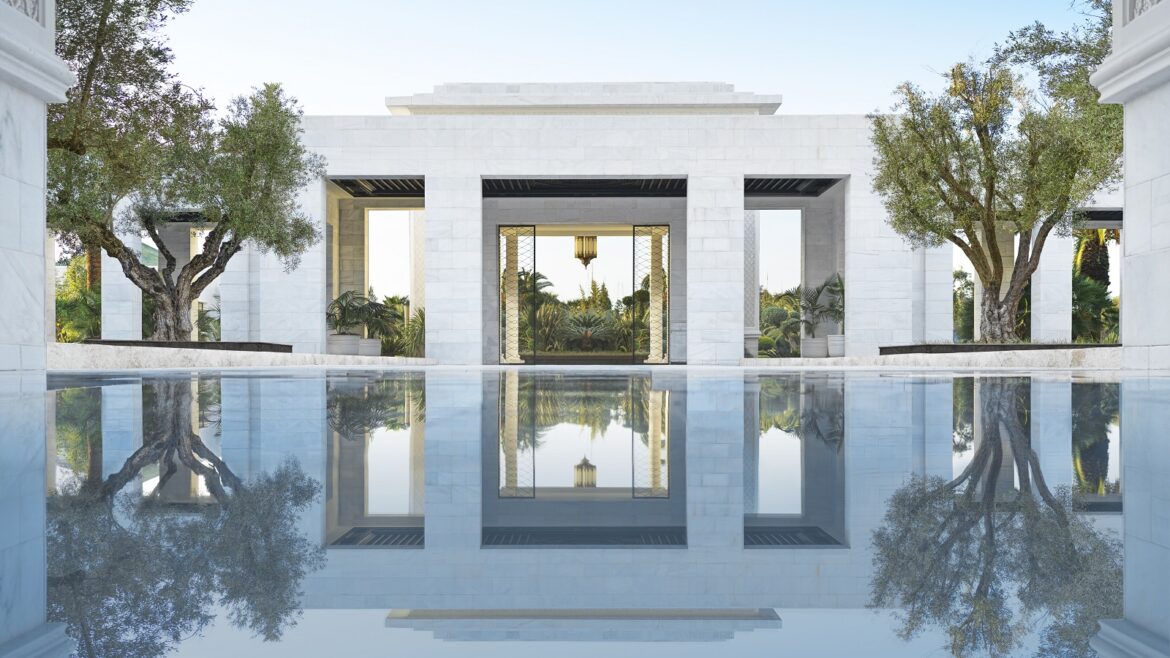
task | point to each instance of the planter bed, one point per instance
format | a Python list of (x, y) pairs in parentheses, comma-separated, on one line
[(196, 345), (947, 348)]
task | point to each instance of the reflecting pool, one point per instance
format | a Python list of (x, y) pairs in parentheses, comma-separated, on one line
[(524, 512)]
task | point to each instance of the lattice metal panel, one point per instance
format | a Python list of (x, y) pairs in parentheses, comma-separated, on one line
[(517, 436), (651, 325), (517, 249)]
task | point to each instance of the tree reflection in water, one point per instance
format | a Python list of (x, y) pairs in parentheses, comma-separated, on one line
[(133, 575), (989, 562)]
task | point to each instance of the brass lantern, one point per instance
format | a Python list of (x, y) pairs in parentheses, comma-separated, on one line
[(585, 248), (584, 474)]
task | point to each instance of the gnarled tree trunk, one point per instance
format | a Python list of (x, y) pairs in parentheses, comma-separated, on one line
[(998, 316)]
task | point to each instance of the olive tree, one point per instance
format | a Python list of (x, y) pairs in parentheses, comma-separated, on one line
[(987, 157), (132, 150)]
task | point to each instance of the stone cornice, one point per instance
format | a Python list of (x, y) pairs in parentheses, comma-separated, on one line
[(27, 67), (1135, 70)]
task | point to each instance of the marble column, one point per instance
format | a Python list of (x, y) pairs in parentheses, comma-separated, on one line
[(418, 250), (121, 299), (657, 286), (511, 295), (454, 269), (1052, 291), (751, 283), (715, 244), (30, 76)]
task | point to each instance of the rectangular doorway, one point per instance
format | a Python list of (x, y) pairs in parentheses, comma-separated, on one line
[(584, 294)]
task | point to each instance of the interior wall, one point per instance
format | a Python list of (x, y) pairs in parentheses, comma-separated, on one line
[(635, 211)]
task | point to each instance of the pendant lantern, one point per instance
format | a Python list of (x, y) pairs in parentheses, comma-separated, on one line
[(585, 248), (584, 474)]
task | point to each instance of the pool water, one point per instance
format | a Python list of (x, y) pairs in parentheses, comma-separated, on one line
[(651, 512)]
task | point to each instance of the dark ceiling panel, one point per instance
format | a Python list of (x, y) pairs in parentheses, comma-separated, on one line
[(382, 187), (1102, 218), (803, 187), (584, 187)]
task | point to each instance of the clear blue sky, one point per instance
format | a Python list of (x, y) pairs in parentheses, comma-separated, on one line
[(343, 57)]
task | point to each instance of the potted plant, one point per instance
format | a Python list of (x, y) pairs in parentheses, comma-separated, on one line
[(835, 312), (383, 326), (344, 316), (812, 311)]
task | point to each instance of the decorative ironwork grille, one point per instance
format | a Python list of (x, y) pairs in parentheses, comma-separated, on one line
[(651, 322), (517, 249)]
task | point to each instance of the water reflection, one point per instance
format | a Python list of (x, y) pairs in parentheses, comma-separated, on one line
[(794, 462), (985, 509), (132, 570), (988, 553), (376, 482), (584, 461)]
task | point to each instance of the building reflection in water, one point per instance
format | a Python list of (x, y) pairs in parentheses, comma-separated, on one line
[(146, 540), (583, 461), (165, 488), (794, 461), (376, 460)]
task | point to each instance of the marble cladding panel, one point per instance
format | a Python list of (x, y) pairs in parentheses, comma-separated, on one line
[(453, 270), (22, 229), (1145, 404), (1052, 292), (121, 299), (1145, 323), (22, 502), (715, 209)]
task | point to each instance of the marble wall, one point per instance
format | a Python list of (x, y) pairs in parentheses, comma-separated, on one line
[(30, 76), (1137, 74), (712, 148)]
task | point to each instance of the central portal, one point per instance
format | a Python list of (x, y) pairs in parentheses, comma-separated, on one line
[(584, 294)]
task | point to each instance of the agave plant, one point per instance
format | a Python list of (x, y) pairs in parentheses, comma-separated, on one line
[(550, 321), (587, 329)]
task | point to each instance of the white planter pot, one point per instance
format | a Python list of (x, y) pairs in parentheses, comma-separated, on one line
[(836, 344), (342, 344), (814, 348), (369, 347)]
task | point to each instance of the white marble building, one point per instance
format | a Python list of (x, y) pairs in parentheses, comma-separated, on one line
[(30, 76), (700, 159), (1137, 74), (696, 157)]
